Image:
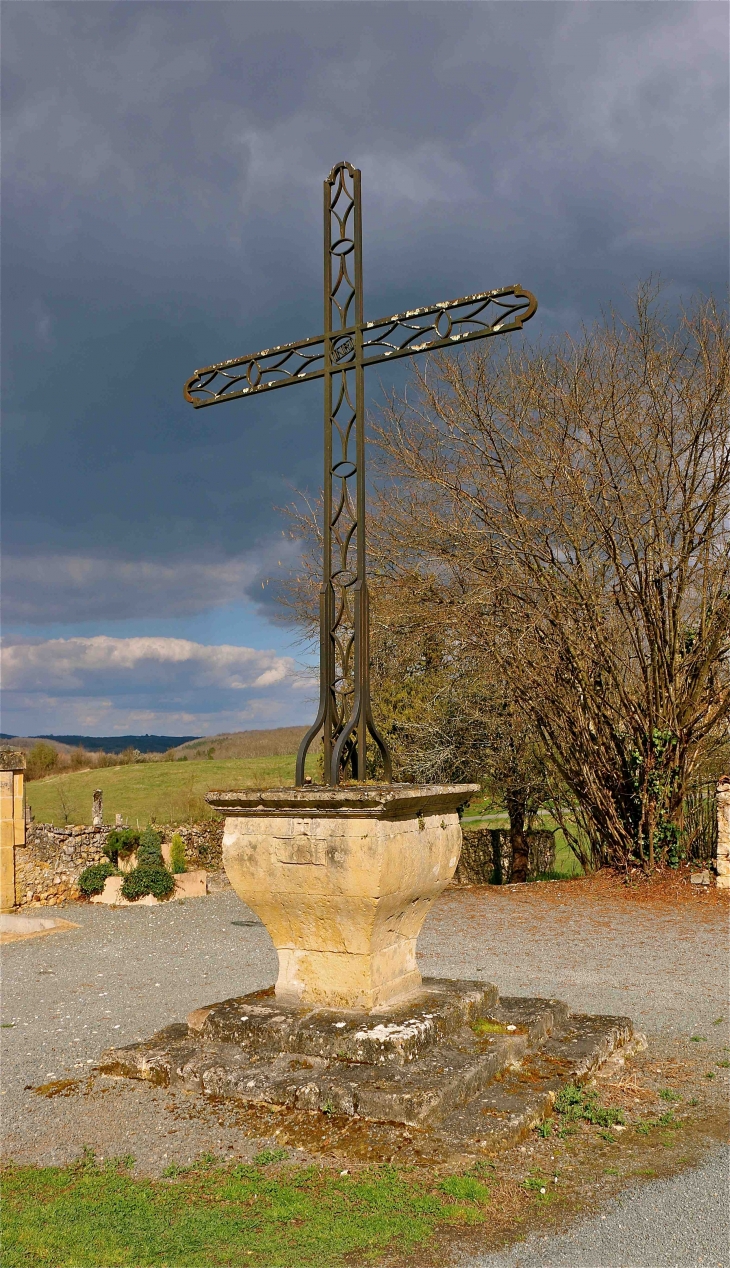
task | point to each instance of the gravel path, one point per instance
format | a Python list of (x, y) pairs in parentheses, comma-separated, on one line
[(677, 1223), (122, 974), (666, 967)]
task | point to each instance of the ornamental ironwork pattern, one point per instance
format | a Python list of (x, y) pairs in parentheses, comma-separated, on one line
[(400, 335), (340, 356)]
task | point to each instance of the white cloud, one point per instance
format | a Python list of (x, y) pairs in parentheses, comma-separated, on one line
[(71, 664), (173, 686)]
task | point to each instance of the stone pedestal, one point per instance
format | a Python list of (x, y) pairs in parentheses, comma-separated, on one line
[(343, 879), (12, 821), (454, 1060)]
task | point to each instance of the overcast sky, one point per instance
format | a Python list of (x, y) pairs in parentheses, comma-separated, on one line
[(162, 178)]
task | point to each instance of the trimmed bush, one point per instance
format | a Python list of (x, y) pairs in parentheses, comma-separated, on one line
[(149, 853), (92, 879), (147, 880), (121, 841), (177, 854)]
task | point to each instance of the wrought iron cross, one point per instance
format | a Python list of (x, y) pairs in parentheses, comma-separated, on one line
[(340, 356)]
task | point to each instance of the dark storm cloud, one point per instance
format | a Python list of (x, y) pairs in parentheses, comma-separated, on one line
[(38, 588), (162, 176)]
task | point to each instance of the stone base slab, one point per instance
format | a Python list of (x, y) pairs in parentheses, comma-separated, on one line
[(191, 884), (455, 1061)]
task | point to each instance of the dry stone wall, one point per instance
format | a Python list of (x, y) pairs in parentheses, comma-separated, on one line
[(723, 833), (486, 856), (48, 866)]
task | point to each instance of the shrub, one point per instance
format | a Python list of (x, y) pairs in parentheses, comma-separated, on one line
[(147, 880), (92, 879), (121, 841), (79, 759), (149, 853), (42, 759), (177, 854)]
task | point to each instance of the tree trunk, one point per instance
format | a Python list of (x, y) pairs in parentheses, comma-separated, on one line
[(520, 848)]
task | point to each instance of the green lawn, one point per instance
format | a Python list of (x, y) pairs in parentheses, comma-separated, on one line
[(168, 792), (87, 1215)]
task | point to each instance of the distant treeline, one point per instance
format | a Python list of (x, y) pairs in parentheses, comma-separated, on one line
[(114, 743)]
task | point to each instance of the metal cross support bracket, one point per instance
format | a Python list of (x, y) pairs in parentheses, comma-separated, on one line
[(340, 356)]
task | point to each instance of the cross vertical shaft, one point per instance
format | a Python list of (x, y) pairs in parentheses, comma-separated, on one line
[(345, 713)]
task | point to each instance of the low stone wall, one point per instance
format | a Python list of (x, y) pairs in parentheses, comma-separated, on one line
[(203, 843), (486, 856), (48, 866), (723, 833)]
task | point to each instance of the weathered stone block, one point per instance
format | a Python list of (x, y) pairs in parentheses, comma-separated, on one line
[(193, 884), (343, 879)]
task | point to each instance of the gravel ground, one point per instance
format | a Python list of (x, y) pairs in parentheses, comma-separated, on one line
[(669, 1224), (665, 967), (122, 974)]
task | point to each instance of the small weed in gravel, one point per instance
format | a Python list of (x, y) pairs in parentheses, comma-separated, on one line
[(269, 1156), (576, 1103), (540, 1186), (665, 1120)]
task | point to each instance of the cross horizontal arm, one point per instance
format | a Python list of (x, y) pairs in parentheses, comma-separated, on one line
[(273, 367), (445, 324), (401, 335)]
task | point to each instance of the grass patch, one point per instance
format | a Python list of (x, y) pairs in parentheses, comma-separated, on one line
[(209, 1214), (483, 1026), (163, 792), (664, 1120)]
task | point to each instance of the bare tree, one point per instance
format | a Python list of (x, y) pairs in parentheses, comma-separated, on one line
[(64, 799), (573, 503)]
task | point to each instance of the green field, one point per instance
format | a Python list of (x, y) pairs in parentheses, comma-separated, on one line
[(166, 792)]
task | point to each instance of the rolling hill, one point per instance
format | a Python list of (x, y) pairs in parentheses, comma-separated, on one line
[(168, 792)]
